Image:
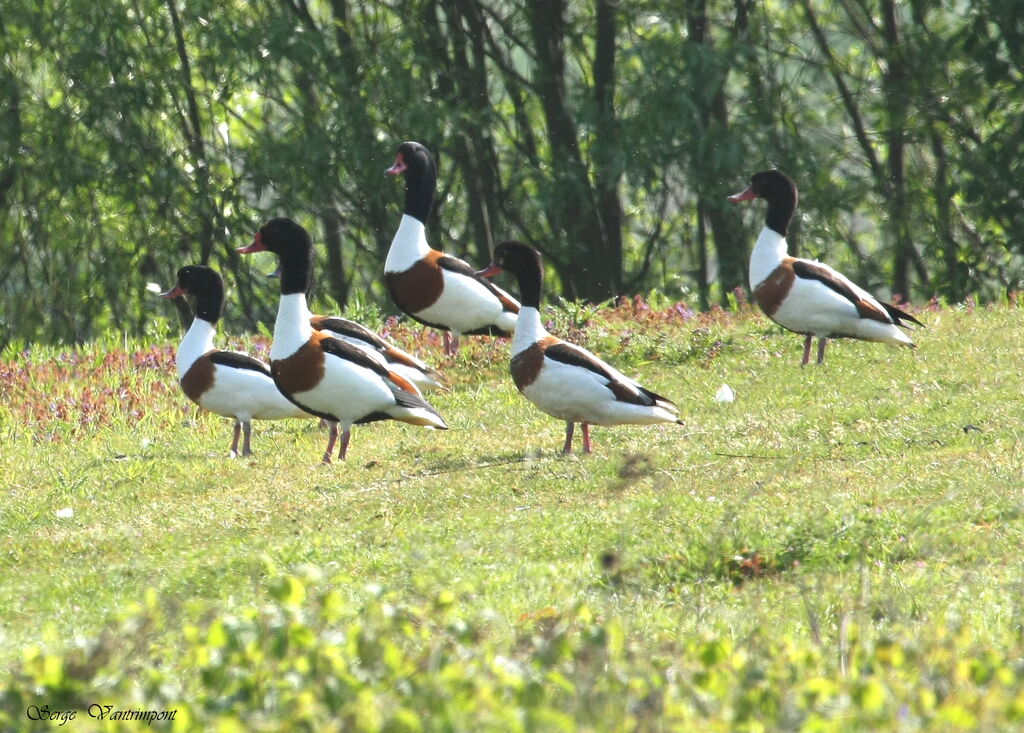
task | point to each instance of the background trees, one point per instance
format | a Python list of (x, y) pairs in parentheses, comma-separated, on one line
[(140, 135)]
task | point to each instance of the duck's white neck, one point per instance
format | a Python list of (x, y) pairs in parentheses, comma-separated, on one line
[(197, 342), (408, 246), (528, 329), (769, 250), (292, 329)]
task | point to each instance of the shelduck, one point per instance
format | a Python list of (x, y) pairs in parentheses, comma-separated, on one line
[(224, 382), (324, 375), (562, 379), (806, 296), (436, 289)]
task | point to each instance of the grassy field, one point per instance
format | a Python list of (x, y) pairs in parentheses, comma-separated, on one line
[(836, 550)]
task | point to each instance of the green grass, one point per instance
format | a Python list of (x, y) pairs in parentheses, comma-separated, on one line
[(838, 549)]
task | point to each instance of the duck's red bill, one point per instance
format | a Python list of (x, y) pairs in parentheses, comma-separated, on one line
[(489, 271), (173, 292), (745, 195), (398, 168), (256, 246)]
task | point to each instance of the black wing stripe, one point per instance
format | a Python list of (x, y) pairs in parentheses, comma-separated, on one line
[(239, 361), (344, 350), (569, 354), (813, 271), (352, 330), (899, 315)]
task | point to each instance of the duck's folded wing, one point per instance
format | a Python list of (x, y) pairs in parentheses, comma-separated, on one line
[(396, 382), (348, 328), (624, 388), (864, 302), (344, 350)]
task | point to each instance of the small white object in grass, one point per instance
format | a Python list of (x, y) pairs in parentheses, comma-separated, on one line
[(65, 513), (725, 393), (154, 288)]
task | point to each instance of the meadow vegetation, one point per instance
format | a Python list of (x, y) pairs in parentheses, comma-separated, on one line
[(835, 550)]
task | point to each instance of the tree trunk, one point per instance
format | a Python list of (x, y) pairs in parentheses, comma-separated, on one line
[(461, 74), (10, 130), (703, 289), (593, 255), (193, 130), (894, 84), (726, 228), (607, 146), (371, 196), (956, 278), (331, 221)]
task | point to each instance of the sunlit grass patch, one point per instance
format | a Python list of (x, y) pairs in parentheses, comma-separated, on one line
[(835, 549)]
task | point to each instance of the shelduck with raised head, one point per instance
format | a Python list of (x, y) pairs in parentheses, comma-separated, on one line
[(806, 296), (324, 375), (433, 288), (224, 382), (562, 379)]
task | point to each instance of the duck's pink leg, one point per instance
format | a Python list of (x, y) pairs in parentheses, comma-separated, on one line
[(569, 427), (332, 436), (586, 437), (451, 343), (807, 350), (345, 437), (247, 431)]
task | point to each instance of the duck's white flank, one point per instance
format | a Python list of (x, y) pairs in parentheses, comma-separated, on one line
[(345, 384), (420, 378), (466, 305), (352, 391)]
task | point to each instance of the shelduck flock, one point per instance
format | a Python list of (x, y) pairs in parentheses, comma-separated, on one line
[(344, 373)]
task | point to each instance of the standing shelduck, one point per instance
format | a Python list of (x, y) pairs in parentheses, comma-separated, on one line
[(224, 382), (324, 375), (435, 289), (562, 379), (806, 296)]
